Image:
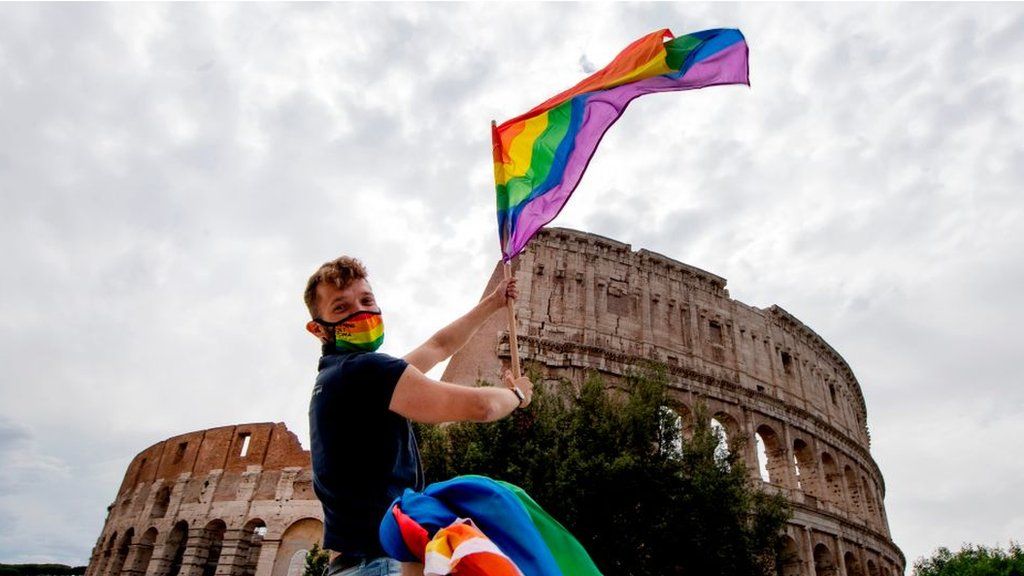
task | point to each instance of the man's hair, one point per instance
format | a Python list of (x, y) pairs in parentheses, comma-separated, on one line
[(341, 272)]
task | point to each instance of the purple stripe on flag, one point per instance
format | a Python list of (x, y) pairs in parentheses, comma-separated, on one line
[(728, 66)]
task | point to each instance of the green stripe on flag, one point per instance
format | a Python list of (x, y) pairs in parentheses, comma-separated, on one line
[(570, 555)]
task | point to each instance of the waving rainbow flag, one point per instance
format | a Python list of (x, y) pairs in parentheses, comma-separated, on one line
[(540, 156), (509, 533)]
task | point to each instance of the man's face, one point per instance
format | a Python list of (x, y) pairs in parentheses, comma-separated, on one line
[(335, 303)]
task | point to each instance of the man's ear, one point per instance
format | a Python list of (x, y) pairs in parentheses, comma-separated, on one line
[(316, 330)]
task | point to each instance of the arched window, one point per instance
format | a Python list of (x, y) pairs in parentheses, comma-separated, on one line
[(869, 499), (174, 548), (719, 430), (807, 476), (106, 554), (872, 568), (789, 562), (249, 547), (824, 563), (832, 478), (160, 502), (299, 536), (856, 505), (145, 553), (771, 455), (728, 431), (670, 431), (852, 565), (213, 542), (121, 553)]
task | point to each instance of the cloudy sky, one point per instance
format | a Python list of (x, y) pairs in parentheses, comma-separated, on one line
[(171, 174)]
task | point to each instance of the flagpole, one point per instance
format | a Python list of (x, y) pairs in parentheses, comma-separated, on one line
[(513, 338)]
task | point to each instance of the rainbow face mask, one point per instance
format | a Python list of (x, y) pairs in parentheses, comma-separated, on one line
[(359, 332)]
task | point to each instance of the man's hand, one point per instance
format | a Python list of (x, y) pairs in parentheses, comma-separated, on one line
[(524, 385), (505, 291)]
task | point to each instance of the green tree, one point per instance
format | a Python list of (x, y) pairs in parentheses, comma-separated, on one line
[(316, 561), (611, 466), (973, 561)]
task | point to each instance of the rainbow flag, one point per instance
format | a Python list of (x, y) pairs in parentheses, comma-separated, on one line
[(524, 534), (540, 156)]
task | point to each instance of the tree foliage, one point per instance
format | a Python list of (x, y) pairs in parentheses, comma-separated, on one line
[(612, 467), (316, 561), (973, 561)]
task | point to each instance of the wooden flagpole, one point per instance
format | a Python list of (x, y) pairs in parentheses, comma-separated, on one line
[(513, 338)]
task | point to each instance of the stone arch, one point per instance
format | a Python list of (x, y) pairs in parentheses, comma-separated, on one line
[(833, 480), (107, 551), (856, 504), (872, 568), (808, 475), (670, 433), (824, 561), (774, 468), (685, 415), (729, 428), (296, 563), (869, 501), (211, 544), (789, 562), (174, 548), (160, 502), (300, 535), (852, 563), (120, 553), (249, 545), (144, 554)]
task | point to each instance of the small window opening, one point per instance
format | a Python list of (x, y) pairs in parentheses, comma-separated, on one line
[(787, 363), (715, 332), (180, 454), (832, 392), (245, 436), (760, 388)]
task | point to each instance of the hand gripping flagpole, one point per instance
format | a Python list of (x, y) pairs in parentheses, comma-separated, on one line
[(513, 338)]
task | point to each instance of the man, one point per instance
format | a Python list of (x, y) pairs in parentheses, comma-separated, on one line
[(363, 448)]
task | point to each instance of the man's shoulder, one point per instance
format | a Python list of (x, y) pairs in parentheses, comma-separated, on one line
[(359, 365)]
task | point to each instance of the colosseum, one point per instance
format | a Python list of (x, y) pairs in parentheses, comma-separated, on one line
[(590, 303), (238, 500), (228, 501)]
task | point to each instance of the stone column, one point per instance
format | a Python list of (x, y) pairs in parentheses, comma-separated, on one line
[(268, 553), (230, 558), (158, 563), (809, 546), (136, 553), (196, 549)]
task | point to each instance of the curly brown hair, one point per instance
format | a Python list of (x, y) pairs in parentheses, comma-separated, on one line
[(341, 272)]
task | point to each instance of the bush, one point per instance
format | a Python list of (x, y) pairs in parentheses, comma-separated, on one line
[(613, 469)]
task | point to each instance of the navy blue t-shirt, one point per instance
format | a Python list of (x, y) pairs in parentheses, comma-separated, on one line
[(364, 455)]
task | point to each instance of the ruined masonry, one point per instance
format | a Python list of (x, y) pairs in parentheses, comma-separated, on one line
[(238, 500), (228, 501), (589, 303)]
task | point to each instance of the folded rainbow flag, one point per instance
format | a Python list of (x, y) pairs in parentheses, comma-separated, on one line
[(540, 156), (531, 540), (464, 550)]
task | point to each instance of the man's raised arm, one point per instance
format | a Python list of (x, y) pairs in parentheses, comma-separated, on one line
[(454, 336)]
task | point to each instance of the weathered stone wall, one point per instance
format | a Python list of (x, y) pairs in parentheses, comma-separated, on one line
[(590, 303), (228, 501)]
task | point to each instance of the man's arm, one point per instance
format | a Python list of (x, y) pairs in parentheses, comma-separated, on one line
[(454, 336), (422, 399)]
